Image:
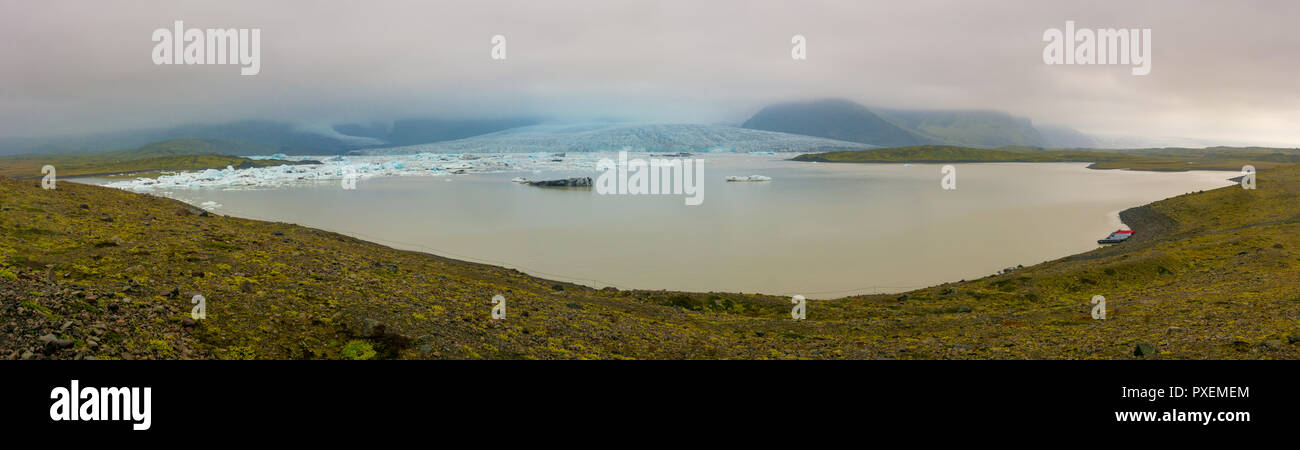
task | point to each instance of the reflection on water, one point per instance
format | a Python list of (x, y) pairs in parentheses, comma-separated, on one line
[(820, 230)]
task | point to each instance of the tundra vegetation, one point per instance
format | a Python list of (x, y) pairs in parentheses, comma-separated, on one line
[(92, 272), (1151, 159)]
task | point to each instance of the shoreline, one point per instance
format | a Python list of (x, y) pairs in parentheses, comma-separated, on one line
[(87, 274), (1152, 224), (593, 283)]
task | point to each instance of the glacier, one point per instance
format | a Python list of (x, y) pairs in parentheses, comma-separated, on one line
[(335, 168), (535, 148), (653, 138)]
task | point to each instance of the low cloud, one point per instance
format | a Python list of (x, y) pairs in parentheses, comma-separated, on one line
[(1221, 72)]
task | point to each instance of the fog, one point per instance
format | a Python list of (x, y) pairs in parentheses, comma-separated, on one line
[(1221, 71)]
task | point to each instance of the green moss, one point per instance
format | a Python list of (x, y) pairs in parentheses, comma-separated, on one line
[(358, 350)]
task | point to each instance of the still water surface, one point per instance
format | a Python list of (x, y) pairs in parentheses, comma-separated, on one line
[(820, 230)]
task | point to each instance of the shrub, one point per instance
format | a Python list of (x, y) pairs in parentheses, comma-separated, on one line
[(358, 350)]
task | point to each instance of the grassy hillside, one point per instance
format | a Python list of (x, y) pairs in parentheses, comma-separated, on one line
[(834, 119), (180, 154), (1215, 158), (848, 121), (91, 272), (973, 128)]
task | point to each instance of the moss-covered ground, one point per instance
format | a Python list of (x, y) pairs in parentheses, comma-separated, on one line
[(91, 272)]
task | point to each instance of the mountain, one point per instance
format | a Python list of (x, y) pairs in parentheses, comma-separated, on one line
[(966, 128), (252, 136), (423, 131), (833, 119), (1058, 136), (846, 120), (179, 154), (641, 137), (264, 137)]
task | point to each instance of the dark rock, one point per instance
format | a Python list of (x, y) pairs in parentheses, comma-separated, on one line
[(84, 206), (573, 305), (188, 322), (1292, 339), (567, 182), (1144, 349), (557, 287), (1271, 343), (372, 328), (963, 309), (902, 298), (52, 343)]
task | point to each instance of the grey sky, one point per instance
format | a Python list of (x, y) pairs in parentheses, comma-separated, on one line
[(1224, 71)]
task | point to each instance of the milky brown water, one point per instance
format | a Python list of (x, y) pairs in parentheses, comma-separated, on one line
[(819, 230)]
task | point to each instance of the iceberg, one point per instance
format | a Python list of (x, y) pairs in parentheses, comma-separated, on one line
[(323, 169), (749, 178)]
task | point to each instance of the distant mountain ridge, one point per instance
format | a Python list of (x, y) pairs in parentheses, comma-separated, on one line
[(640, 137), (173, 155), (832, 119), (846, 120), (263, 137)]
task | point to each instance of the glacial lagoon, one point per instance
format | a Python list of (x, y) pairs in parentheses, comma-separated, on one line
[(815, 229)]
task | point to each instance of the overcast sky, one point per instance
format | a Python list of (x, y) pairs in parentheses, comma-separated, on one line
[(1224, 71)]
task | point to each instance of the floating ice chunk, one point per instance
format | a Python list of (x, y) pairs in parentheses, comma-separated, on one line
[(334, 168), (749, 178)]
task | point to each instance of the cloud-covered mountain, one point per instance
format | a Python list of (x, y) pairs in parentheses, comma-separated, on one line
[(833, 119), (966, 128), (253, 137), (846, 120), (641, 137), (1058, 136)]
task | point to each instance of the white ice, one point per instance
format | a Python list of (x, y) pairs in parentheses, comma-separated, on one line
[(334, 168)]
